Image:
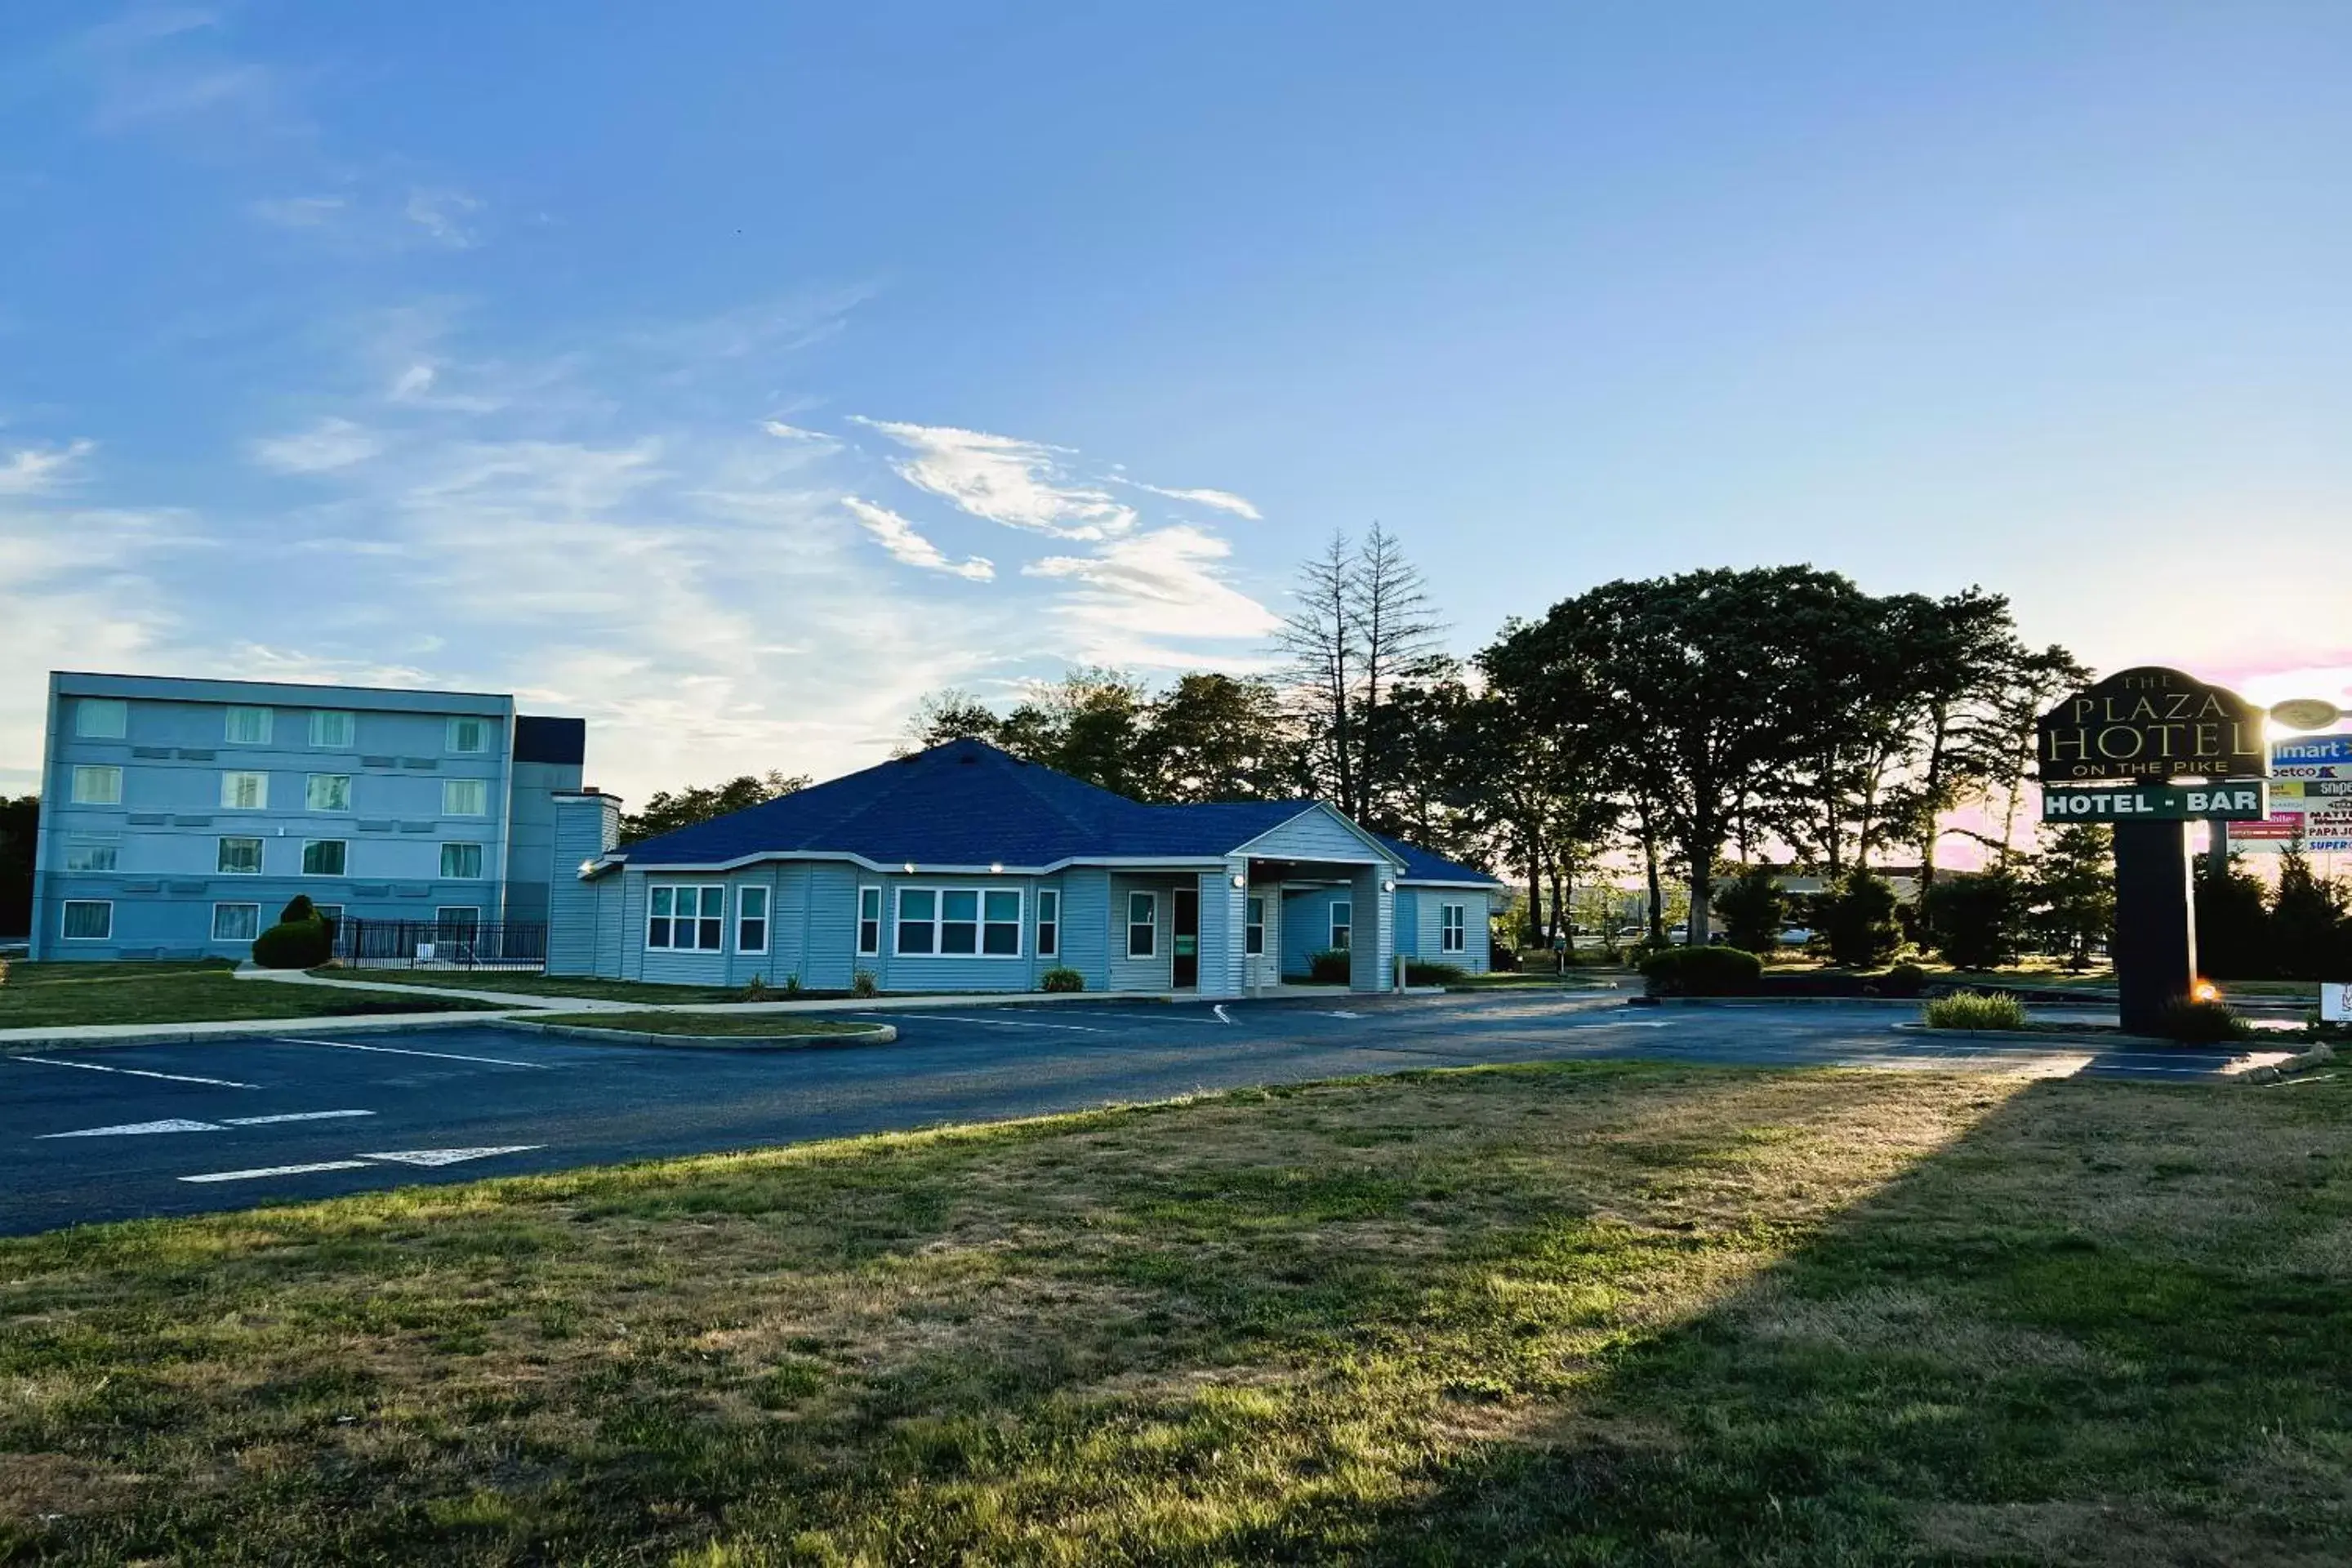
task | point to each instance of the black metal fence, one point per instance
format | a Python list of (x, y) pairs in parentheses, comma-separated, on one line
[(441, 944)]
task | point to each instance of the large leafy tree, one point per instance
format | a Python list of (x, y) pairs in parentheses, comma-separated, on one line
[(1217, 737), (667, 811), (20, 825)]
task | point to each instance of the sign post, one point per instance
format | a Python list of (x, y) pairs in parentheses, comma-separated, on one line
[(2140, 730)]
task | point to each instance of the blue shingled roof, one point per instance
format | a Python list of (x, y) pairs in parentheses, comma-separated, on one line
[(969, 803)]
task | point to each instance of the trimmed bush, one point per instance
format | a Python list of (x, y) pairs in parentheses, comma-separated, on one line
[(294, 944), (1333, 967), (1702, 972), (1902, 979), (1975, 920), (862, 984), (1060, 979), (1975, 1010), (1753, 909), (1419, 972), (297, 908), (1858, 918), (1502, 960), (2200, 1023)]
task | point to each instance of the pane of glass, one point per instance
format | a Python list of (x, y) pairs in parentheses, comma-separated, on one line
[(869, 903), (98, 786), (869, 936), (657, 932), (711, 939), (101, 718), (1004, 906), (755, 902), (1140, 907), (1139, 942), (753, 937), (959, 936), (1049, 905), (661, 900), (1005, 940), (917, 904), (89, 921), (249, 726), (330, 729), (328, 792), (1049, 939), (963, 905), (240, 856), (323, 859), (914, 936), (714, 902), (235, 922)]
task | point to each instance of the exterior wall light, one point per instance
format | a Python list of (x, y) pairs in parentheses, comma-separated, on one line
[(1388, 884), (911, 867), (996, 867), (586, 866), (1240, 881)]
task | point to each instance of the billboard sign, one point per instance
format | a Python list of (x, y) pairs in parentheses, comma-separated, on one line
[(2156, 802), (2151, 724), (2309, 750)]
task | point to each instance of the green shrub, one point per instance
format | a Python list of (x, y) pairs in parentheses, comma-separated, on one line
[(294, 944), (1857, 917), (1333, 967), (1702, 972), (298, 909), (1902, 979), (792, 986), (1753, 909), (1418, 972), (1060, 979), (2200, 1023), (862, 984), (1975, 1010), (755, 990), (1975, 921)]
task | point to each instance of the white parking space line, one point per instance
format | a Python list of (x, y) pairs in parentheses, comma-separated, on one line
[(999, 1023), (1151, 1019), (137, 1072), (451, 1156), (292, 1116), (280, 1171), (403, 1051), (138, 1129)]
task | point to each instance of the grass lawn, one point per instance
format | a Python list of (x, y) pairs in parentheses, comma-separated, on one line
[(771, 1025), (1610, 1314), (540, 984), (53, 995)]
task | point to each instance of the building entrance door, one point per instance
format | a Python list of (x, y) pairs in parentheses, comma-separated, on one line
[(1187, 975)]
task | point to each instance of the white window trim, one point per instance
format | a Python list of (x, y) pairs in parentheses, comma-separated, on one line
[(766, 917), (1127, 938), (473, 913), (1257, 925), (351, 729), (214, 930), (83, 708), (980, 920), (482, 861), (106, 904), (449, 736), (1452, 928), (228, 773), (881, 915), (1336, 925), (268, 723), (309, 778), (106, 769), (1043, 922), (307, 843), (674, 889), (220, 853), (481, 787), (93, 847)]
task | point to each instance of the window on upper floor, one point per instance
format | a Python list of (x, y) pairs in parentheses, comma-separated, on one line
[(246, 726), (245, 792), (87, 920), (469, 736), (325, 856), (328, 791), (461, 862), (97, 786), (238, 857), (90, 855), (465, 797), (101, 718), (333, 729)]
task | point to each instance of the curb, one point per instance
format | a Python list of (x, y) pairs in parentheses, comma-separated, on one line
[(868, 1035), (2047, 1036), (191, 1034), (1910, 1002)]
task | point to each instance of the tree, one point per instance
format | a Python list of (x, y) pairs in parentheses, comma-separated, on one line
[(666, 812), (2233, 923), (1857, 920), (1363, 624), (2308, 929), (951, 715), (20, 831), (1975, 920), (1215, 737), (1754, 908), (2073, 890)]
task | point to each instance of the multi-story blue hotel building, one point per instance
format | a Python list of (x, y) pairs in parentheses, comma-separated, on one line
[(178, 816)]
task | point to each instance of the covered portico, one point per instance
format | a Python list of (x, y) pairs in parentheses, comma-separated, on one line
[(1317, 858)]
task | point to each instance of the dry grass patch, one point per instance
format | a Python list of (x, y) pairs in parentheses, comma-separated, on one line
[(1613, 1313)]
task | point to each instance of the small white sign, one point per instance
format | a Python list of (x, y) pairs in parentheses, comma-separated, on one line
[(2335, 1002), (425, 950)]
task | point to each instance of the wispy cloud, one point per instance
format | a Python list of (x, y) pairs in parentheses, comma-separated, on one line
[(1223, 500), (32, 469), (1161, 584), (1004, 479), (442, 215), (299, 212), (900, 538), (329, 444)]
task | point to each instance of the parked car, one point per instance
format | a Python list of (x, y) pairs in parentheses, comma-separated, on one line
[(1796, 936)]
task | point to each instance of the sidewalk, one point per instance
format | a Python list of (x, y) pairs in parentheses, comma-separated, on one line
[(525, 1002)]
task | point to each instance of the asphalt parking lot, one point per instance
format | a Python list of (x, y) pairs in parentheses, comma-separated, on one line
[(167, 1130)]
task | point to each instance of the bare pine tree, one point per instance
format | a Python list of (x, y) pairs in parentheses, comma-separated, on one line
[(1321, 636), (1397, 631)]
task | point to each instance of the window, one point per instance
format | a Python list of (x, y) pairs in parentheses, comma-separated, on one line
[(751, 919), (685, 918), (461, 862), (1452, 928), (467, 736), (101, 718), (331, 913), (332, 731), (1254, 932), (324, 857), (239, 858), (1343, 921), (457, 922), (86, 856), (1143, 925), (918, 914), (465, 797), (87, 920), (328, 791), (245, 792), (235, 922), (1000, 922), (246, 726), (1049, 923), (960, 922), (98, 786), (869, 922)]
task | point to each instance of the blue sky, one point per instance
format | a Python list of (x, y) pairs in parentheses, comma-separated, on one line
[(732, 374)]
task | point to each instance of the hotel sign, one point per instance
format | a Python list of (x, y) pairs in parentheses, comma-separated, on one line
[(2156, 802), (2151, 724)]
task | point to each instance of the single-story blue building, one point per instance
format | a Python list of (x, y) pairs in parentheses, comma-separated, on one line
[(964, 869)]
